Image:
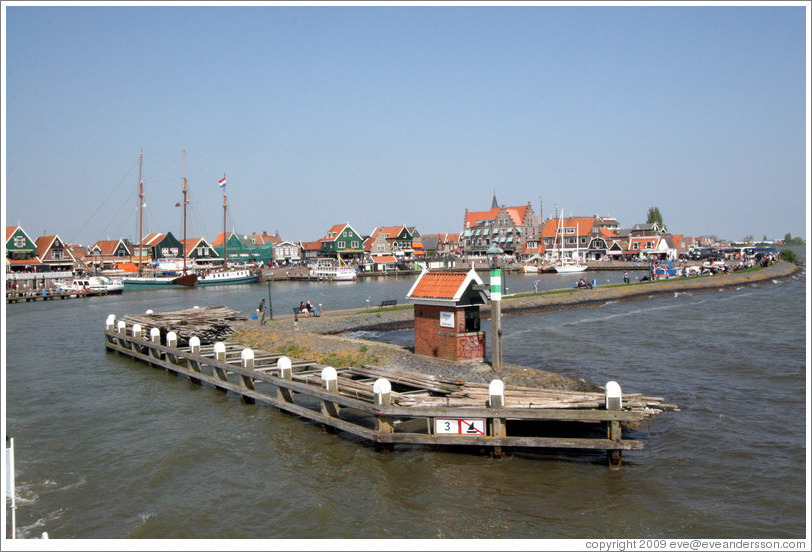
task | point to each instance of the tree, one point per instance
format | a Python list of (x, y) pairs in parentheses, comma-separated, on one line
[(655, 216)]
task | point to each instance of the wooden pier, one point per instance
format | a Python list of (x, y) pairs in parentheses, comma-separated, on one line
[(389, 407), (14, 296)]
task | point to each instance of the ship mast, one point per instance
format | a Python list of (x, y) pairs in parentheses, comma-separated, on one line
[(225, 241), (140, 211), (184, 212)]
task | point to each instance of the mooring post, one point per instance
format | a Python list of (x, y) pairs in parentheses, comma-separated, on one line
[(614, 401), (194, 365), (496, 399), (382, 390), (220, 356), (172, 343), (149, 311), (121, 328), (155, 337), (247, 382), (329, 378), (109, 326), (286, 373), (137, 331)]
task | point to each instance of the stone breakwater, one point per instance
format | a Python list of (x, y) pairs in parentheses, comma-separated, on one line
[(320, 339)]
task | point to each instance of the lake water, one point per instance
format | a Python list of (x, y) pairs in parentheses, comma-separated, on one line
[(107, 447)]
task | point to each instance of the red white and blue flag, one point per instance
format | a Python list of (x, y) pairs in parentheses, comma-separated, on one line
[(223, 182)]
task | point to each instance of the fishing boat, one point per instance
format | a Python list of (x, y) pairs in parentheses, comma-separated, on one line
[(224, 275), (329, 269), (156, 279), (561, 264)]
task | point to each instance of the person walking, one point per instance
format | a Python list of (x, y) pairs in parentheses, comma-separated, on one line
[(261, 310)]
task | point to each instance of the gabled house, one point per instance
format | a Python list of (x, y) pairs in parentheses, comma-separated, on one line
[(107, 254), (377, 245), (55, 255), (399, 238), (21, 250), (342, 241), (201, 251)]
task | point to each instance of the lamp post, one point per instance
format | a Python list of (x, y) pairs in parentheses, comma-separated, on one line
[(494, 253)]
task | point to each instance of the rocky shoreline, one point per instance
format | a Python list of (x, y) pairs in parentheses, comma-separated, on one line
[(320, 339)]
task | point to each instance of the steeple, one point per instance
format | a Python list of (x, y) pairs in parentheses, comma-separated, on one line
[(494, 203)]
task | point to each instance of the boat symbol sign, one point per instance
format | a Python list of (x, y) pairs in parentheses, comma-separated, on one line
[(459, 426)]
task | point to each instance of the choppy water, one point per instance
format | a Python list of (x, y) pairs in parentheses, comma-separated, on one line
[(109, 448)]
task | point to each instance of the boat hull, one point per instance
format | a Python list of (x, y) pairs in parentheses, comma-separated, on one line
[(568, 269), (158, 282), (228, 278)]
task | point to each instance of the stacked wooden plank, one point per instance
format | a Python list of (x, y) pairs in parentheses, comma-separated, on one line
[(209, 324)]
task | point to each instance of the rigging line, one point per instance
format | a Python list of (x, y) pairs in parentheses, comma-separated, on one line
[(109, 195), (116, 215)]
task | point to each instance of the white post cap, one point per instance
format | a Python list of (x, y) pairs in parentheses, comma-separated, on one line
[(247, 354), (137, 330), (329, 374), (613, 392), (283, 363), (149, 311), (219, 347), (121, 326), (381, 386), (496, 387), (194, 341), (155, 332)]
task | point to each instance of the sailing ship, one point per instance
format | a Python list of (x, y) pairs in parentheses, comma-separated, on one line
[(226, 275), (567, 265), (152, 279)]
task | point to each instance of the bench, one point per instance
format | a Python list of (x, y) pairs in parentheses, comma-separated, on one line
[(388, 303), (298, 310)]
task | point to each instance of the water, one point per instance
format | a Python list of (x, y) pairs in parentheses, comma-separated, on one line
[(109, 448)]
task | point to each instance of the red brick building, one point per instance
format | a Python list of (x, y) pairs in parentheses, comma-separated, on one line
[(446, 315)]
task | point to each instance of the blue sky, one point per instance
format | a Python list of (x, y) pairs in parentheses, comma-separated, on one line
[(380, 116)]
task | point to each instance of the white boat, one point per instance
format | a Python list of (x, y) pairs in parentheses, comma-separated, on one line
[(224, 275), (112, 286), (328, 269), (530, 269), (566, 265), (158, 279)]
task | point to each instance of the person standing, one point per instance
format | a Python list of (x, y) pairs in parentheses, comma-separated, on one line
[(625, 277), (261, 310)]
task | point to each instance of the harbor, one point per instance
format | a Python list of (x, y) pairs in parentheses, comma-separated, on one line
[(108, 447)]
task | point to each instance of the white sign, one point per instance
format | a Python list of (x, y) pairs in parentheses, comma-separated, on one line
[(446, 319), (458, 426)]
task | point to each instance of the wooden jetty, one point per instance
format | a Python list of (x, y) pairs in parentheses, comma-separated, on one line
[(15, 296), (389, 407)]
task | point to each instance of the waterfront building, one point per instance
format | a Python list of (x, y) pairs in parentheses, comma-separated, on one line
[(400, 240), (342, 241), (567, 237), (55, 255), (310, 250), (201, 251), (508, 227), (20, 249), (242, 249), (107, 254), (377, 245), (286, 252)]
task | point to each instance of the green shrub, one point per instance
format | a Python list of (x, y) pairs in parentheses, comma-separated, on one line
[(789, 256)]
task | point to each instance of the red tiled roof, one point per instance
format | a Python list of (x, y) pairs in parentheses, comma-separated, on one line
[(10, 230), (107, 247), (439, 285), (384, 259)]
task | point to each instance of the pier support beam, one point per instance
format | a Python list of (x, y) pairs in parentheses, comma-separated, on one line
[(220, 356), (382, 391), (247, 382), (614, 401), (194, 348), (496, 399), (286, 373), (329, 378)]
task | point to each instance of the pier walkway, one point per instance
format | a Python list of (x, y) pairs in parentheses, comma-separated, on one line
[(391, 407)]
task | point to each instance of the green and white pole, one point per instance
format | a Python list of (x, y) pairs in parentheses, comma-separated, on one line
[(496, 307)]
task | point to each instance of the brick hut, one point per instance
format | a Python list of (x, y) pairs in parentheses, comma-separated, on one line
[(446, 315)]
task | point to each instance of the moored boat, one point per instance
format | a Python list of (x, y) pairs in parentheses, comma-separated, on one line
[(328, 269)]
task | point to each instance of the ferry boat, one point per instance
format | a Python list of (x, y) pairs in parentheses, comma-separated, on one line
[(329, 269)]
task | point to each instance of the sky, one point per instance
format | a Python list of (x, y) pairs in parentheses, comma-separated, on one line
[(382, 115)]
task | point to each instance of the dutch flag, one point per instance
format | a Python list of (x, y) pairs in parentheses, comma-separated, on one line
[(223, 182)]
